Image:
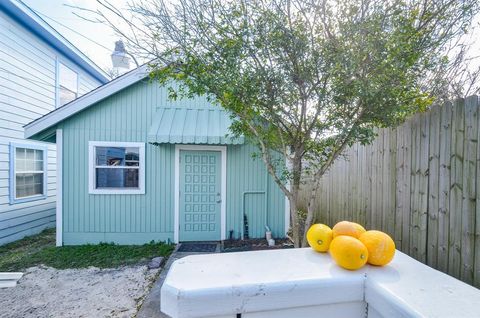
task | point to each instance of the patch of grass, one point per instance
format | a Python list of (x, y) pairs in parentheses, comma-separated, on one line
[(40, 249)]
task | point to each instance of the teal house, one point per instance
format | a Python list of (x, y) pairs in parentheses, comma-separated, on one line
[(134, 166)]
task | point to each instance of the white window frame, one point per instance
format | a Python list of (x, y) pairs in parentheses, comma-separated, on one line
[(57, 80), (12, 175), (92, 167)]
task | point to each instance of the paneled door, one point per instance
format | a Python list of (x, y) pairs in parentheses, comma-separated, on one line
[(200, 197)]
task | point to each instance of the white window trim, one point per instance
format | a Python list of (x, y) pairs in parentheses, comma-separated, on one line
[(59, 203), (12, 175), (91, 167)]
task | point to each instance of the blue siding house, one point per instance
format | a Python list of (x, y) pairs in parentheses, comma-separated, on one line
[(135, 166), (39, 72)]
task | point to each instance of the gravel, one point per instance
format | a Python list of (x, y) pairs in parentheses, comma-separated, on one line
[(90, 292)]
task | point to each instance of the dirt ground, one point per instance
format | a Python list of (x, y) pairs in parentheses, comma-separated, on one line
[(91, 292), (253, 245)]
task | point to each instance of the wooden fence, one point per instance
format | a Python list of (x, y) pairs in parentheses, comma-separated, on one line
[(420, 183)]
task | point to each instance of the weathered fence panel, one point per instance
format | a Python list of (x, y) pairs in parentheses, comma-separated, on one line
[(420, 183)]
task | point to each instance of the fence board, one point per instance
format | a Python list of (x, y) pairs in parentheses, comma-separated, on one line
[(456, 180), (476, 260), (423, 187), (420, 183), (377, 182), (433, 190), (444, 187), (407, 187), (389, 164), (415, 189), (468, 185), (400, 186)]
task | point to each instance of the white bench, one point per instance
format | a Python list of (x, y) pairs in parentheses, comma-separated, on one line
[(9, 279), (303, 283)]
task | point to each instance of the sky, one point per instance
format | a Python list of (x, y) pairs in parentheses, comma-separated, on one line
[(60, 16)]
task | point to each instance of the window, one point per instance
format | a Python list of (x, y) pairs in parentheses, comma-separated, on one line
[(67, 84), (117, 168), (28, 174)]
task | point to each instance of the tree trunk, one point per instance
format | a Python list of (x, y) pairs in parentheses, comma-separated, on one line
[(310, 211), (294, 222), (308, 221), (297, 231)]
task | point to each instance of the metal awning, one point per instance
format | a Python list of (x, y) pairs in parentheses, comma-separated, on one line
[(191, 126)]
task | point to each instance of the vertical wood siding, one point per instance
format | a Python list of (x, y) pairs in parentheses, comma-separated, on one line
[(246, 179), (134, 219), (27, 91), (420, 183)]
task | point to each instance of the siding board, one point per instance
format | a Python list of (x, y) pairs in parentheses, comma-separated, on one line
[(27, 91)]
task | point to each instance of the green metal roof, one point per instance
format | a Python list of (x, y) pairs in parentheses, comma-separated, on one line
[(191, 126)]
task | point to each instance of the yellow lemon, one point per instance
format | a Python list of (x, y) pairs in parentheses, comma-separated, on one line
[(348, 252), (348, 228), (381, 247), (319, 237)]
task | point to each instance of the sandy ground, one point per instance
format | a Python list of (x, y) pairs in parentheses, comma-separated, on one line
[(91, 292)]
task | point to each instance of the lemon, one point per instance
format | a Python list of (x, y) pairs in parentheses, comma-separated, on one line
[(348, 228), (381, 247), (319, 237), (348, 252)]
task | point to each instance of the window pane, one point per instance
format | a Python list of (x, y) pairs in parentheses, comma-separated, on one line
[(38, 154), (30, 165), (20, 153), (29, 179), (38, 188), (132, 157), (117, 178), (20, 179), (21, 192), (68, 78), (28, 184), (110, 156), (117, 156), (30, 154), (38, 165), (66, 95), (38, 178), (20, 164), (29, 190), (28, 160)]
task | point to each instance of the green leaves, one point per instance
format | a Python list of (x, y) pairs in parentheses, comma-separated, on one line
[(306, 77)]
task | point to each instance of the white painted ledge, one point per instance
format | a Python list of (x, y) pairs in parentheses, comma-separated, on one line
[(303, 283), (9, 279)]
